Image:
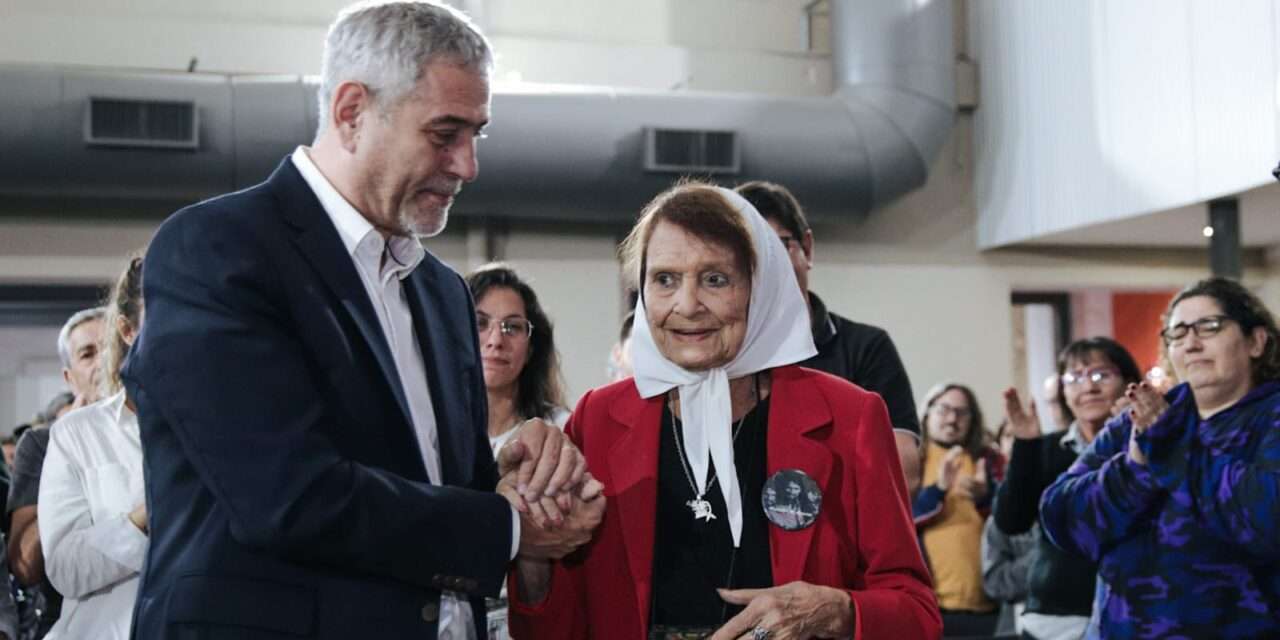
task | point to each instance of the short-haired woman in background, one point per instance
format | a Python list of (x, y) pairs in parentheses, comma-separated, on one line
[(1092, 376), (1178, 499)]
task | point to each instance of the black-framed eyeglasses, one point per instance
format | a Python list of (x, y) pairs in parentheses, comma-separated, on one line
[(1203, 328), (1097, 375), (942, 409), (510, 327), (790, 242)]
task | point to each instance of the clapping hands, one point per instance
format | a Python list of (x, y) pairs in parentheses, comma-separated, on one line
[(1146, 405), (974, 487)]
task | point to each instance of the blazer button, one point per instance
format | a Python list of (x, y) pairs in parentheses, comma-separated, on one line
[(430, 612)]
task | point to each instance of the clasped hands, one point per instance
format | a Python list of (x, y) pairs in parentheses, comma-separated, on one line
[(544, 476)]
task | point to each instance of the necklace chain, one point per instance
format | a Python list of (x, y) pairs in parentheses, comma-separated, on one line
[(687, 467)]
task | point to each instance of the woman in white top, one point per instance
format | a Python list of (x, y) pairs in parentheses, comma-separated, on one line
[(521, 370), (92, 510), (518, 353)]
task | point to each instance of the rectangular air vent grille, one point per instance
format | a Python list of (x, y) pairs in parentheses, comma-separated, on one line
[(146, 124), (691, 151)]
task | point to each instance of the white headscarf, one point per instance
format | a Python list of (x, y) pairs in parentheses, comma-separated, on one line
[(778, 333)]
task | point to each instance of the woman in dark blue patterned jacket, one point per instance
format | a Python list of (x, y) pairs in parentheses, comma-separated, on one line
[(1178, 499)]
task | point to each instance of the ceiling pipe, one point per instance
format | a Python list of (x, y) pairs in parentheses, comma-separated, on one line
[(552, 154)]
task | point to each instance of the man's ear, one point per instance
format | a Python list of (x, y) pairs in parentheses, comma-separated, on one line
[(352, 101), (806, 245)]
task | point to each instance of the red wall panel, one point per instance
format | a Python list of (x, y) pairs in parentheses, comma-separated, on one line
[(1135, 319)]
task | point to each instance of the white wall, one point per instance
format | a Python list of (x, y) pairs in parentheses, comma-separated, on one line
[(912, 267), (1101, 110), (30, 374), (712, 45)]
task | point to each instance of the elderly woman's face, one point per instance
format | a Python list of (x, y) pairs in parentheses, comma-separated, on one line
[(695, 298), (1217, 366)]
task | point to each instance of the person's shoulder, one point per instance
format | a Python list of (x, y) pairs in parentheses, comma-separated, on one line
[(858, 331), (828, 385), (619, 400), (623, 391), (240, 213), (33, 443), (87, 420)]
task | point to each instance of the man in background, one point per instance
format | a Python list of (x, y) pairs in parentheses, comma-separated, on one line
[(78, 349), (860, 353)]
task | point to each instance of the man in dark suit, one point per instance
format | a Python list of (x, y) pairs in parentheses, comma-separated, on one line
[(308, 384)]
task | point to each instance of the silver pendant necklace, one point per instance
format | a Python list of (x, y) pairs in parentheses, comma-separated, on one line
[(699, 505)]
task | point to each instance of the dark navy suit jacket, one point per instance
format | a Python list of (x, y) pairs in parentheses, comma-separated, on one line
[(285, 486)]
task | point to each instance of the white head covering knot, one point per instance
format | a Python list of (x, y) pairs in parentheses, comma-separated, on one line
[(778, 333)]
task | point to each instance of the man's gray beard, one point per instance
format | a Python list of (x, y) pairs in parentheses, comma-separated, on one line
[(415, 229)]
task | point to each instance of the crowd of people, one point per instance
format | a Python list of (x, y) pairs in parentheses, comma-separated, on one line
[(289, 419)]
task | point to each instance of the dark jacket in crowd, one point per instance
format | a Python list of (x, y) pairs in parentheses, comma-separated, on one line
[(865, 356), (1059, 583)]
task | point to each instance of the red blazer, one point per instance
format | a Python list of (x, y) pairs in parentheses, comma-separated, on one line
[(863, 540)]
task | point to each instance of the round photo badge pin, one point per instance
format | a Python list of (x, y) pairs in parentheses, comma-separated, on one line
[(791, 499)]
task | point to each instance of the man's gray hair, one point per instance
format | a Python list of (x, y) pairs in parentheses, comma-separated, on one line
[(386, 45), (76, 319)]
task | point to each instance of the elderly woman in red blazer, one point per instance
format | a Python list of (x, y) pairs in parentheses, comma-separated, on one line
[(746, 496)]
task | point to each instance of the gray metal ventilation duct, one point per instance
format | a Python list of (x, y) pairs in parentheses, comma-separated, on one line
[(565, 155)]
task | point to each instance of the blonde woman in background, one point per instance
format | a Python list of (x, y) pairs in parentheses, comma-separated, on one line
[(93, 517)]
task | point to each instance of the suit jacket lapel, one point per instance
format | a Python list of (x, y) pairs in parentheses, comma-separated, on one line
[(633, 468), (447, 377), (319, 243), (796, 409)]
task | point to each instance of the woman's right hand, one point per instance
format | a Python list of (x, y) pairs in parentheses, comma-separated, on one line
[(1024, 424)]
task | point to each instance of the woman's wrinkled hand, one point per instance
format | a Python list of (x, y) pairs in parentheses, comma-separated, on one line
[(794, 611)]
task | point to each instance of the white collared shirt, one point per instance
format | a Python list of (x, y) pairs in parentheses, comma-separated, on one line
[(91, 480), (1073, 439), (381, 277), (382, 264)]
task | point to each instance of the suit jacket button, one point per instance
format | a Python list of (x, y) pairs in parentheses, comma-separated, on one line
[(430, 612)]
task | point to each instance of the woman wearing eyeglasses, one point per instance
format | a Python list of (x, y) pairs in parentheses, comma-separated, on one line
[(1092, 376), (960, 467), (1178, 499), (518, 353), (521, 370)]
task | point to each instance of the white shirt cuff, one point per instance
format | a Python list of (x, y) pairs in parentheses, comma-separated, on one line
[(515, 532)]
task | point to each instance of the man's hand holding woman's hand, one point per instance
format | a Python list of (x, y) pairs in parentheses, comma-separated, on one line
[(545, 478)]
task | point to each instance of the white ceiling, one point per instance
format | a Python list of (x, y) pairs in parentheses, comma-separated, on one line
[(1180, 227)]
